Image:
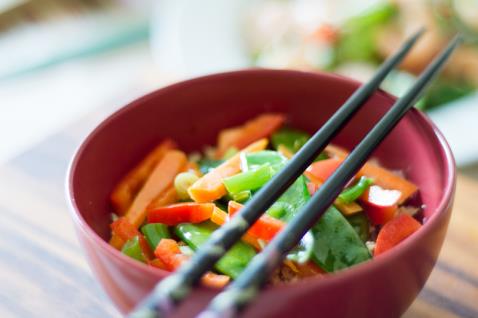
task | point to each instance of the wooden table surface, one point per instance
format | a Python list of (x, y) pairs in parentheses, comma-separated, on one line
[(43, 272)]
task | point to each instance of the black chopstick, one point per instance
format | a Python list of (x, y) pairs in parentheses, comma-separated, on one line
[(173, 289), (246, 286)]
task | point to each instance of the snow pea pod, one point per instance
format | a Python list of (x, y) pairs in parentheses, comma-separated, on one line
[(232, 263), (337, 245), (361, 225)]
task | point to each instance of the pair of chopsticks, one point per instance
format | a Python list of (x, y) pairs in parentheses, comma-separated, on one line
[(172, 290)]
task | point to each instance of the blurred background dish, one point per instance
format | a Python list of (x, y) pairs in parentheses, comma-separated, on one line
[(108, 52), (350, 38)]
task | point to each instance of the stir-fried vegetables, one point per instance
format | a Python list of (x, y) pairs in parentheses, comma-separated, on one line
[(210, 187), (124, 193), (181, 203)]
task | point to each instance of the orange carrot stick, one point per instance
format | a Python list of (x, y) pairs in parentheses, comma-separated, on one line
[(169, 196), (210, 187), (260, 127), (125, 191), (160, 180)]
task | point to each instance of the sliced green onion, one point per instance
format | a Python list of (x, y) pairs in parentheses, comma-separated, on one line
[(154, 232), (242, 196), (249, 180), (354, 192), (133, 249)]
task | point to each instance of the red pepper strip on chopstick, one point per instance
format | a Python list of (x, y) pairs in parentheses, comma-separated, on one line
[(170, 255), (380, 205), (259, 127), (394, 232), (125, 191), (265, 228), (210, 186), (220, 217), (189, 212)]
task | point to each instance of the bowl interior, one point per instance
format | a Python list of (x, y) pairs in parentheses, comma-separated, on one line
[(193, 112)]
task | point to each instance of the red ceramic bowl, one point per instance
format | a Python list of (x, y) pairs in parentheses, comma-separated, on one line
[(192, 113)]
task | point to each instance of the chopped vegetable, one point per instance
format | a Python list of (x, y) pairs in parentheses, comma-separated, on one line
[(293, 199), (354, 192), (122, 230), (265, 228), (249, 180), (220, 217), (232, 263), (292, 139), (169, 196), (181, 212), (283, 150), (137, 248), (388, 180), (338, 240), (260, 127), (133, 249), (210, 187), (242, 196), (154, 232), (159, 181), (381, 205), (251, 161), (346, 208), (125, 191), (169, 253), (206, 165), (229, 153), (337, 245), (322, 170), (394, 232), (361, 225), (182, 182), (303, 251)]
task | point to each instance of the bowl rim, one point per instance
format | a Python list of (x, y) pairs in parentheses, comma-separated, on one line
[(325, 280)]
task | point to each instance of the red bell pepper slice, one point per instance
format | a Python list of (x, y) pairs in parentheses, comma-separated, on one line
[(170, 256), (322, 169), (174, 214), (121, 232), (380, 205), (265, 228), (220, 217), (394, 232)]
